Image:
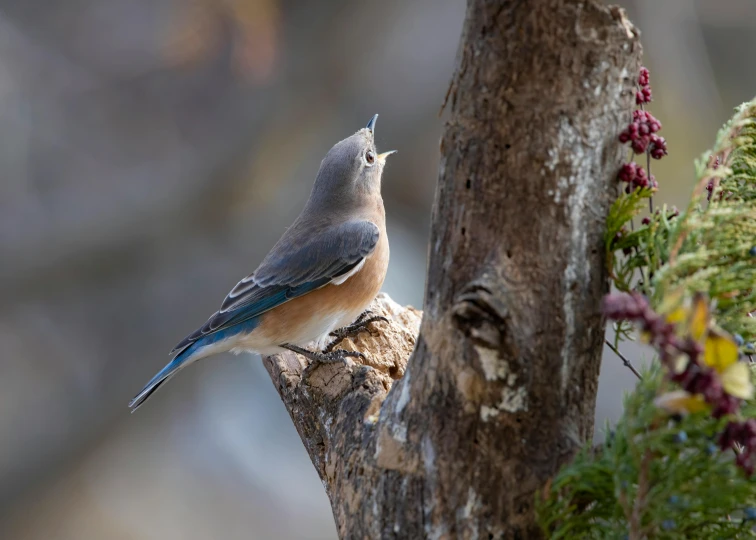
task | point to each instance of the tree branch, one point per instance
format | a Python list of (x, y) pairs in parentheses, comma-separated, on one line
[(337, 395), (628, 364), (486, 411)]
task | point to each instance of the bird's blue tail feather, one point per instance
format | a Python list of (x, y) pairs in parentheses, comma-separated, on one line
[(188, 355), (162, 376)]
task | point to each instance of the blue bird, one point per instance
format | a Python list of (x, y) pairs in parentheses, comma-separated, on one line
[(319, 277)]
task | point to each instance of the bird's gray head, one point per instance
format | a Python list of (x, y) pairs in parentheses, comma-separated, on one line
[(350, 173)]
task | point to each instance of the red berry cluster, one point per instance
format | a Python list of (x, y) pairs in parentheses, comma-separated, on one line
[(636, 177), (696, 378), (641, 134), (657, 147), (643, 95), (741, 438)]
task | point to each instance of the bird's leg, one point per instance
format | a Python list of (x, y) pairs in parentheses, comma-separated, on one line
[(362, 323), (317, 358)]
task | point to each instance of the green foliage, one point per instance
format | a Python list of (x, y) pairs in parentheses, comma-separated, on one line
[(655, 477), (641, 250), (658, 475), (617, 239), (712, 245)]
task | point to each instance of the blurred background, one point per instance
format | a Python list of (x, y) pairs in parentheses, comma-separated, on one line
[(152, 152)]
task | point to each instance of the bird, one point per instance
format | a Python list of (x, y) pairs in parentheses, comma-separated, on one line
[(316, 282)]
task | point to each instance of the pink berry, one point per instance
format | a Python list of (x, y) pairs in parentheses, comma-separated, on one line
[(640, 144), (643, 77), (658, 147), (627, 172)]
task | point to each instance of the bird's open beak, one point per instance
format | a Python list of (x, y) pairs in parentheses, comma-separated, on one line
[(371, 123), (371, 127), (383, 156)]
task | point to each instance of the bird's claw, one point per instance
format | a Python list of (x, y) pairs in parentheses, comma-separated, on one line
[(330, 357), (317, 358), (361, 324)]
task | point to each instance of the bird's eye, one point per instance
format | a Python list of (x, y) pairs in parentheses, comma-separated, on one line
[(369, 157)]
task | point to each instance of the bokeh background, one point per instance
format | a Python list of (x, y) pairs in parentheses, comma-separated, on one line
[(151, 151)]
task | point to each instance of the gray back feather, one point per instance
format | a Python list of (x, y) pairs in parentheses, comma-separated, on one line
[(304, 256)]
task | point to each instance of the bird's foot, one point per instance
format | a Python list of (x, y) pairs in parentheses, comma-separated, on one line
[(317, 358), (361, 324)]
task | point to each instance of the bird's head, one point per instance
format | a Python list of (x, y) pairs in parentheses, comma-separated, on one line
[(350, 173)]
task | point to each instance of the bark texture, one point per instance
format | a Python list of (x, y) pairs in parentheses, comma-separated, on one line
[(500, 389)]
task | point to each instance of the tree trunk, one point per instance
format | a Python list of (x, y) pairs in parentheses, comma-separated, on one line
[(500, 389)]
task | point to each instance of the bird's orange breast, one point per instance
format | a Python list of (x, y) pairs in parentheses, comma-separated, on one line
[(329, 307)]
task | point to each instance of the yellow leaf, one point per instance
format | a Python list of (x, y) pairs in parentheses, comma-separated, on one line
[(672, 303), (699, 317), (720, 351), (681, 402), (736, 381), (677, 316)]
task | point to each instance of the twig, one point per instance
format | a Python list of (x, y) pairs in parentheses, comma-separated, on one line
[(648, 170), (625, 361)]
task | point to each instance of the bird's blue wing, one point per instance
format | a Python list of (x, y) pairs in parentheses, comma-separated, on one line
[(304, 260)]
